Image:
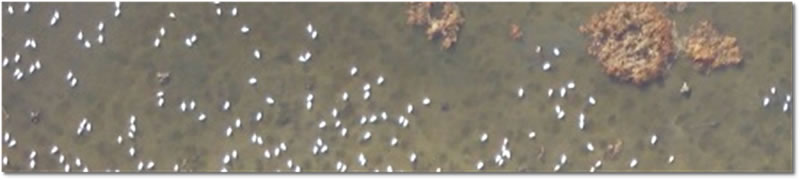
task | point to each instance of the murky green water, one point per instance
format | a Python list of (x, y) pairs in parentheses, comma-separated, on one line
[(722, 127)]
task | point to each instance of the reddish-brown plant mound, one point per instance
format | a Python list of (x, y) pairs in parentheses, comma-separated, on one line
[(707, 48), (632, 41), (446, 25)]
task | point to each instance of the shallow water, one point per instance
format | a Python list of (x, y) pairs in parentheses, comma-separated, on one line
[(722, 127)]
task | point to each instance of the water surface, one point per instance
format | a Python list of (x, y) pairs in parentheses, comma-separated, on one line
[(722, 127)]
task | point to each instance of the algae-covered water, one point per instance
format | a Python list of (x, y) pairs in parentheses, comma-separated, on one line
[(721, 127)]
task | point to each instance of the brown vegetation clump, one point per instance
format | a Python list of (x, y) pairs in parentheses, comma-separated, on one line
[(515, 33), (708, 49), (676, 6), (612, 150), (632, 41), (446, 25), (418, 13)]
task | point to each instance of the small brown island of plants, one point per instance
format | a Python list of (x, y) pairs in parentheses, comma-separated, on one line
[(708, 49), (445, 26), (632, 41)]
